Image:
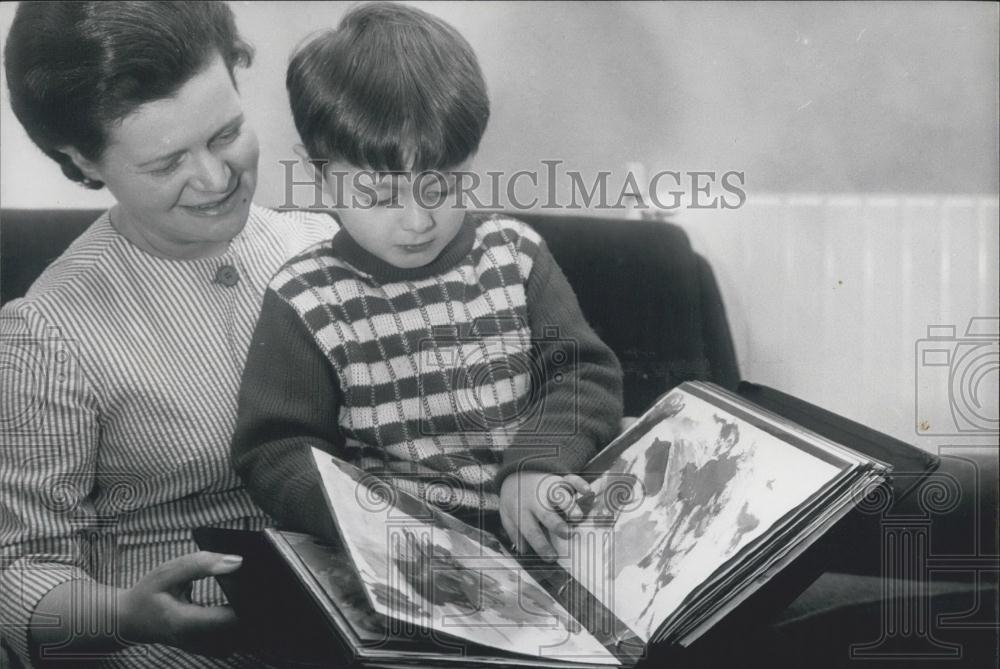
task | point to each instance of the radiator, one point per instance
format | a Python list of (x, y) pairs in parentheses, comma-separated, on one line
[(853, 302)]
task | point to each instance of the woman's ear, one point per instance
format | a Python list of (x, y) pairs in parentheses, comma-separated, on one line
[(85, 165)]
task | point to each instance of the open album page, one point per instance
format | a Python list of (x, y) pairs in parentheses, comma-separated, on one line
[(419, 571), (331, 569), (675, 505)]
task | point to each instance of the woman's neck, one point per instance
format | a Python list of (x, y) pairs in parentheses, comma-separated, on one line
[(155, 245)]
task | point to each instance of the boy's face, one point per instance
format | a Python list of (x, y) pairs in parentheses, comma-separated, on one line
[(404, 219)]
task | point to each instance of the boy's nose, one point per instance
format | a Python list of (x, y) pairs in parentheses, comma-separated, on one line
[(418, 220)]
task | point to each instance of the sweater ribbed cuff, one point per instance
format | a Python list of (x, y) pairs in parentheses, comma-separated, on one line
[(566, 458)]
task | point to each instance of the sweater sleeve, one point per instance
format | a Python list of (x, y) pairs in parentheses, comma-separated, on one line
[(580, 400), (289, 401)]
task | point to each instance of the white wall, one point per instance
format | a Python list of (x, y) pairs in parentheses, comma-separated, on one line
[(884, 114), (830, 298), (840, 97)]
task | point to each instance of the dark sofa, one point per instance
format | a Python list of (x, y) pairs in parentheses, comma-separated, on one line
[(684, 333), (656, 303)]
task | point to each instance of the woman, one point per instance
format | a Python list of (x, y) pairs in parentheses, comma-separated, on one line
[(129, 348)]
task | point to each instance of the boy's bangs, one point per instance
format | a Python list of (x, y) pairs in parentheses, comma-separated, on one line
[(396, 144)]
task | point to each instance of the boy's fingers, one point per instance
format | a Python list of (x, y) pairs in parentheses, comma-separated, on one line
[(554, 523), (533, 534), (583, 491), (572, 510), (554, 493), (563, 493), (580, 485), (510, 529)]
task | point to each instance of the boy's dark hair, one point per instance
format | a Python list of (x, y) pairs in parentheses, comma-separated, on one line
[(76, 68), (391, 89)]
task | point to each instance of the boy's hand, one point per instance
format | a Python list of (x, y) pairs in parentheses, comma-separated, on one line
[(530, 501)]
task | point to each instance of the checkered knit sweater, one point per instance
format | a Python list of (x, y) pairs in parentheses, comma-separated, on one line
[(443, 379)]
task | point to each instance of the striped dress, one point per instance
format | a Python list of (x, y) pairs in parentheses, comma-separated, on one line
[(119, 375)]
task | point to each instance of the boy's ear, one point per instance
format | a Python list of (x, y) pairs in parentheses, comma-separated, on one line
[(300, 151), (85, 165), (307, 162)]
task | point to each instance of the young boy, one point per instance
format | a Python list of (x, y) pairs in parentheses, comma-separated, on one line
[(441, 350)]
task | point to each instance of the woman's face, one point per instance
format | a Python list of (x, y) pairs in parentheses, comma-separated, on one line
[(183, 169)]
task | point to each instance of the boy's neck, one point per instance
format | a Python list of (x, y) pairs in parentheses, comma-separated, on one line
[(361, 259)]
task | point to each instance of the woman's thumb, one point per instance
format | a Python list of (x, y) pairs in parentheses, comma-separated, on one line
[(192, 567), (226, 563)]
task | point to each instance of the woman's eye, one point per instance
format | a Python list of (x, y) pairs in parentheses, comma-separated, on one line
[(169, 168)]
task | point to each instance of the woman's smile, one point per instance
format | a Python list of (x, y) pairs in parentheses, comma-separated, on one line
[(219, 207)]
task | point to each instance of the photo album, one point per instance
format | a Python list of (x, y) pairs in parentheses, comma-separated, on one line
[(694, 507)]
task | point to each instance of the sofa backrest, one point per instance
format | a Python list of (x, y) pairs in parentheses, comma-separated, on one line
[(641, 286)]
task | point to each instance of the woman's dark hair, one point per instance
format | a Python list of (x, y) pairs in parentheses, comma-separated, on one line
[(76, 68), (391, 89)]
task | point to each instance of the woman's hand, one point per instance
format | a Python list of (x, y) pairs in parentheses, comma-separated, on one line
[(158, 609), (529, 502)]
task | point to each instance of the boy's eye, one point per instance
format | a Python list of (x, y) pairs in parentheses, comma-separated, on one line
[(437, 191), (386, 201), (228, 136)]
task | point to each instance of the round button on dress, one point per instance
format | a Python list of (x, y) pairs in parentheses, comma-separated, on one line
[(227, 276)]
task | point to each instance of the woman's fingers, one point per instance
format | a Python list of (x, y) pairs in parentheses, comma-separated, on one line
[(208, 630), (175, 574), (198, 619)]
